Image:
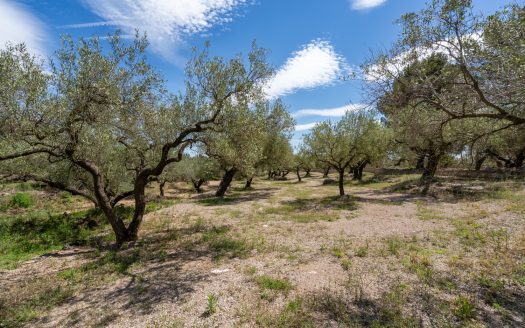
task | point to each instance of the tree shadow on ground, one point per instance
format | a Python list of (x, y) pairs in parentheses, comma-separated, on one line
[(401, 307), (357, 310), (383, 197), (347, 203), (511, 304), (235, 197), (145, 275)]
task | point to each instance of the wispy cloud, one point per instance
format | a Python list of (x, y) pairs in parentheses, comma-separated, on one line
[(18, 25), (165, 22), (365, 4), (328, 112), (393, 66), (316, 64), (304, 127), (89, 25)]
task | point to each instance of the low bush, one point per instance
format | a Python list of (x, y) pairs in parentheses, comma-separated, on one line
[(22, 200)]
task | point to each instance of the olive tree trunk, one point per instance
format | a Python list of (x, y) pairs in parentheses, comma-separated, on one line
[(298, 175), (197, 184), (479, 162), (248, 184), (225, 182), (420, 164), (341, 182), (161, 188), (429, 173)]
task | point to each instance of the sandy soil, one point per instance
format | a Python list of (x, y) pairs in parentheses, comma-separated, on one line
[(173, 291)]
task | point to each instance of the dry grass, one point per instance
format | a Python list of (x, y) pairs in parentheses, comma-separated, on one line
[(292, 255)]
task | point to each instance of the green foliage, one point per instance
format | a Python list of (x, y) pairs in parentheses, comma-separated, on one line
[(394, 245), (346, 264), (293, 315), (337, 252), (362, 251), (211, 305), (27, 311), (97, 119), (448, 86), (190, 169), (240, 144), (223, 245), (22, 200), (268, 282), (27, 235), (277, 152), (355, 138), (464, 309)]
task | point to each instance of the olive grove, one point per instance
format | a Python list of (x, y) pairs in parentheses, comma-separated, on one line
[(100, 123)]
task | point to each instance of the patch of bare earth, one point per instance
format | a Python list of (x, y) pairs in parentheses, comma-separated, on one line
[(367, 250)]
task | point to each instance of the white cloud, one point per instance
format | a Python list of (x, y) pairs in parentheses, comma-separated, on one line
[(304, 127), (18, 25), (391, 67), (328, 112), (365, 4), (317, 64), (165, 21)]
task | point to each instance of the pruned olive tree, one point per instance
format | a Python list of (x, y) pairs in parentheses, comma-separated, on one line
[(238, 145), (342, 144), (277, 156), (196, 170), (374, 150), (303, 160), (100, 124)]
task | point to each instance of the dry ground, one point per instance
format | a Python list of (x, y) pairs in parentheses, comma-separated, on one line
[(289, 254)]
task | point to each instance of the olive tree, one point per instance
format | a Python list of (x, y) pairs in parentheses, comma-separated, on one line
[(342, 144), (238, 145), (421, 125), (277, 156), (303, 160), (374, 150), (487, 54), (196, 170), (505, 147), (100, 124)]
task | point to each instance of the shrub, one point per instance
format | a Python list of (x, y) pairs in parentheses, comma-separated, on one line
[(267, 282), (464, 309), (22, 200)]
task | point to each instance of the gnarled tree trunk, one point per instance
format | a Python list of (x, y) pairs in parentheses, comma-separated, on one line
[(248, 184), (307, 175), (298, 175), (429, 172), (225, 182), (480, 161), (161, 188), (420, 164), (197, 184), (326, 172)]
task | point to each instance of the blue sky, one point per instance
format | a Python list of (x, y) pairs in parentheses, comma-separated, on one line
[(312, 43)]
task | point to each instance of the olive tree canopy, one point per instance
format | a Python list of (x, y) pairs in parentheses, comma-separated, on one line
[(100, 124), (345, 143)]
